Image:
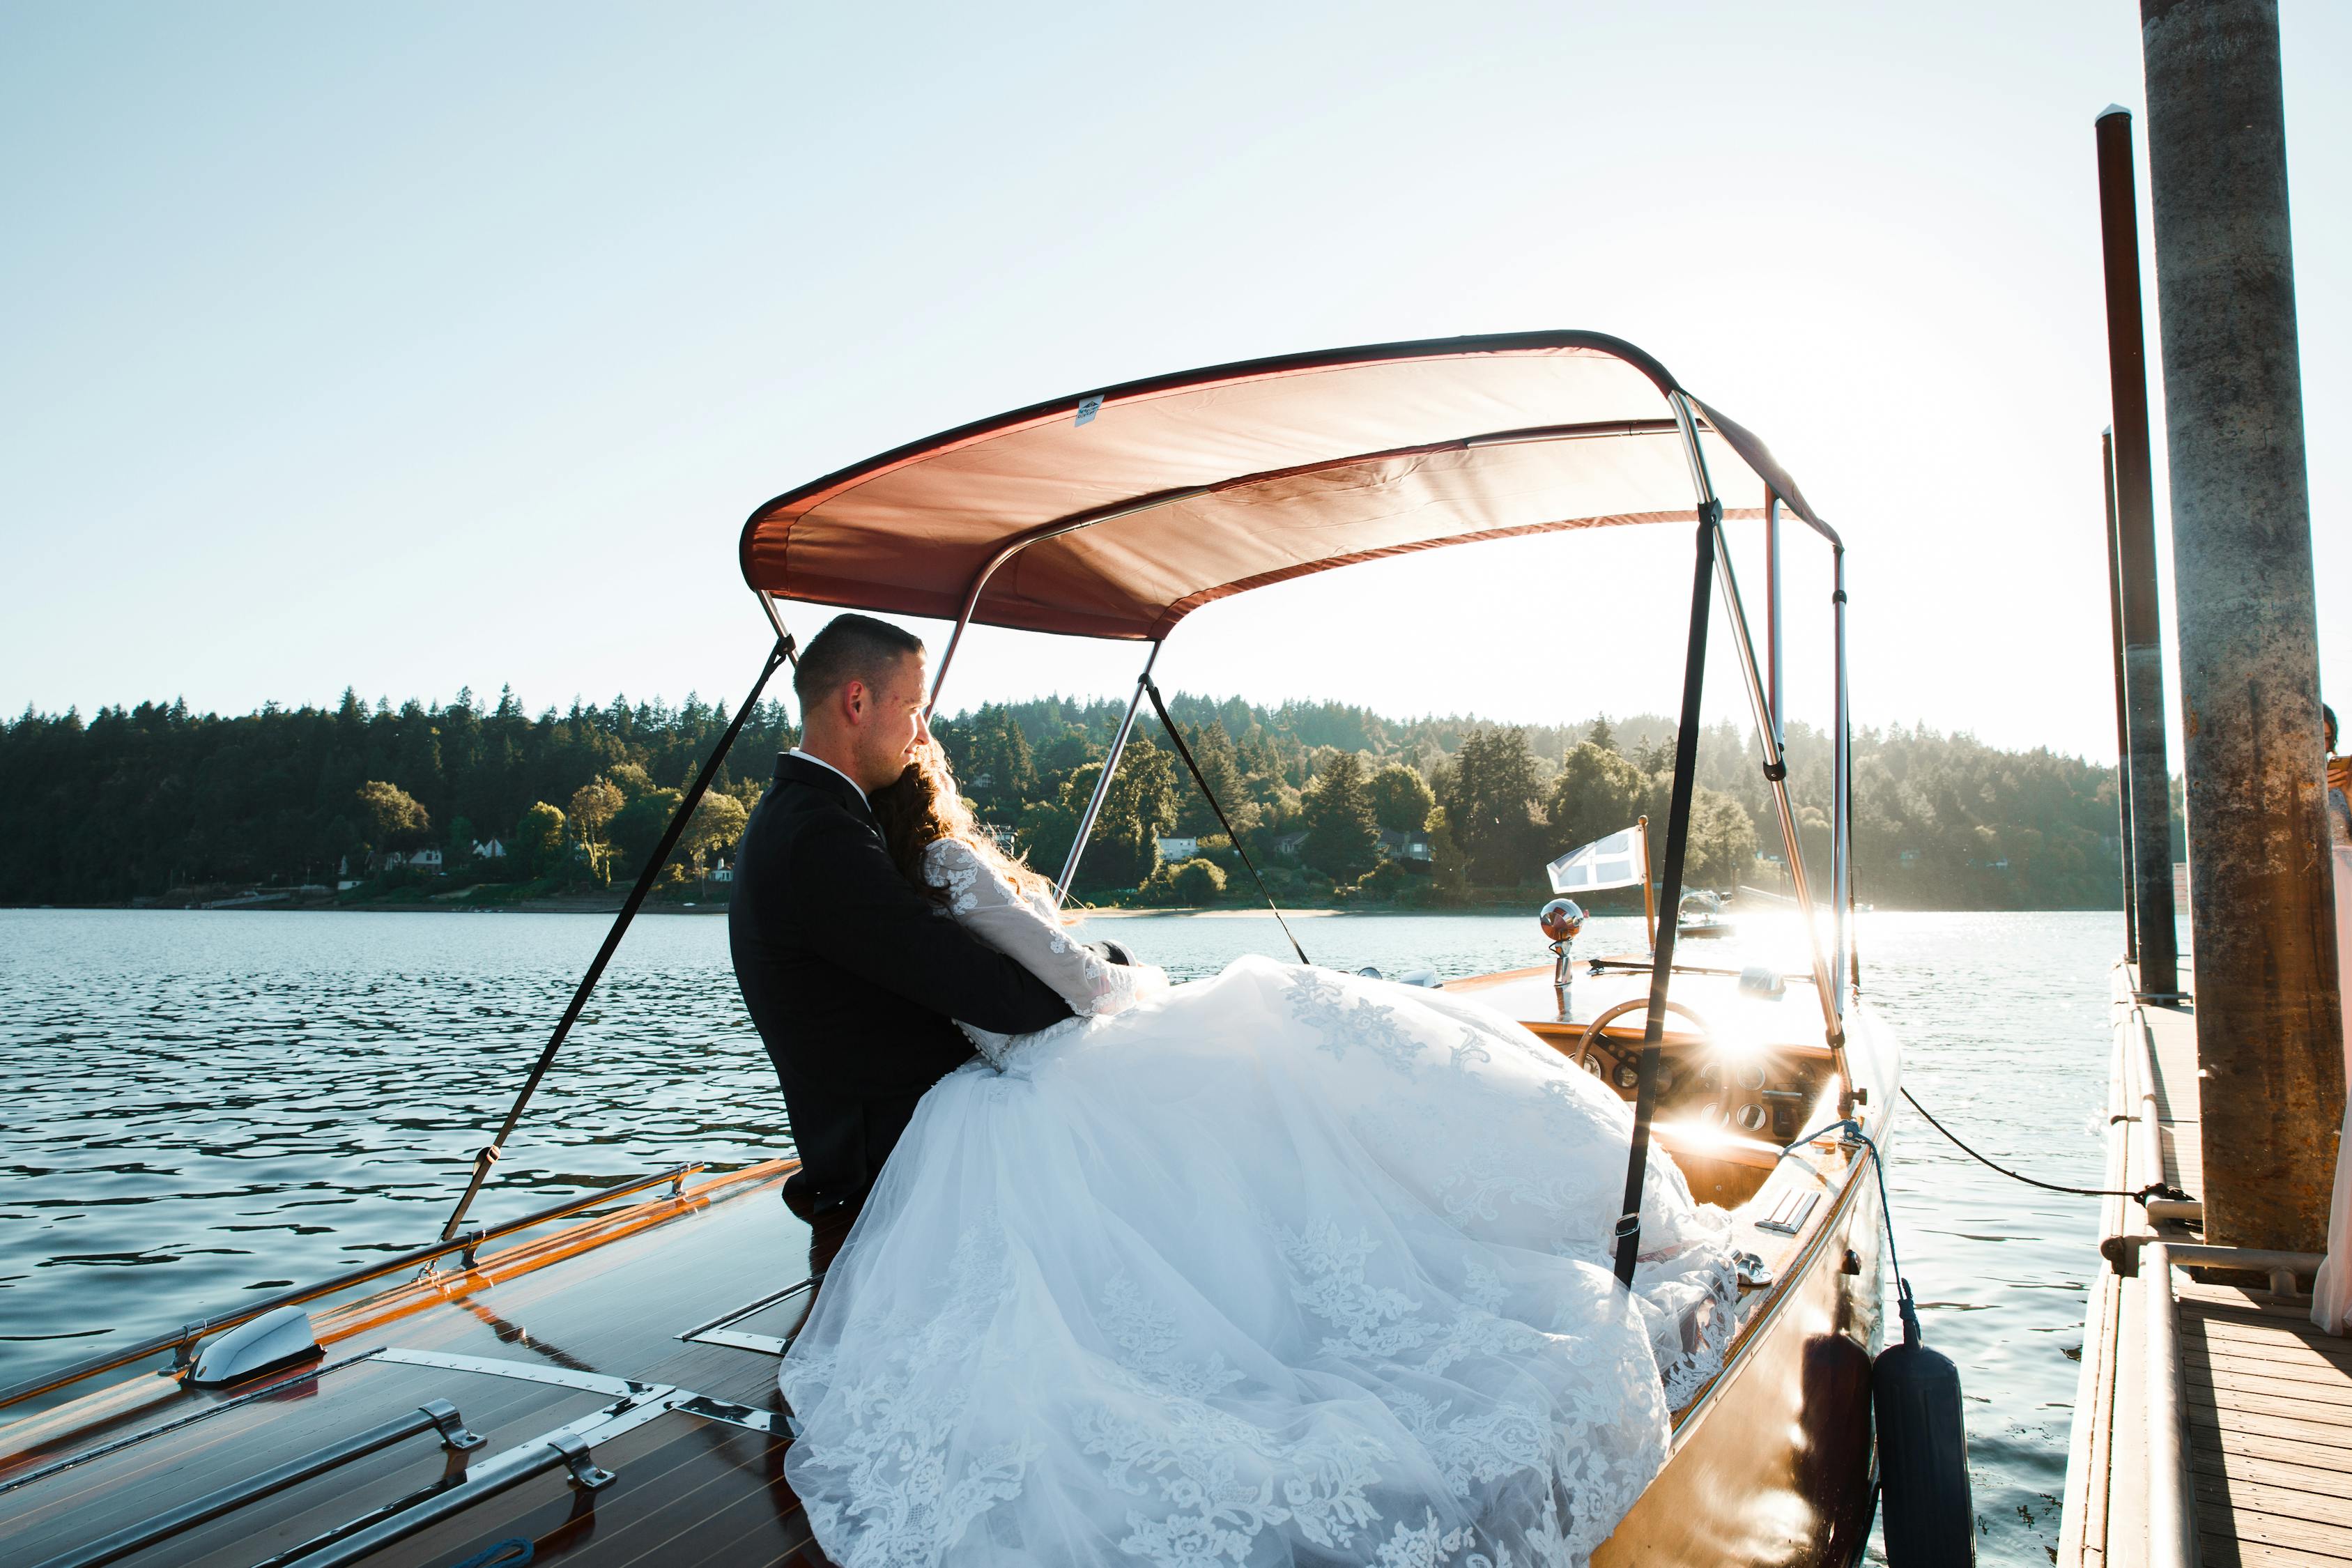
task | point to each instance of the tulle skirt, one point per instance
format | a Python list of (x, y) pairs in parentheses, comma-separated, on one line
[(1283, 1267)]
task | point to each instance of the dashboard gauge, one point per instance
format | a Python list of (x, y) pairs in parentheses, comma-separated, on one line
[(1592, 1065), (1751, 1077), (1627, 1075), (1751, 1118)]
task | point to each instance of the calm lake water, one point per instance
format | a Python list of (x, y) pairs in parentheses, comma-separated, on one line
[(194, 1106)]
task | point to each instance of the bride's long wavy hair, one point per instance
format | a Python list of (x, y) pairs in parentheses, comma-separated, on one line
[(924, 803)]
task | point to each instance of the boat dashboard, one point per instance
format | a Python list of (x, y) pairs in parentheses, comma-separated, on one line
[(1738, 1079)]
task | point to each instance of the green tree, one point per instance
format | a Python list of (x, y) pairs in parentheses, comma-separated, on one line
[(1449, 878), (593, 806), (1490, 795), (1722, 841), (1183, 883), (1402, 800), (1141, 805), (390, 816), (1219, 764), (633, 782), (539, 848), (1596, 793), (1000, 756), (716, 823), (637, 826), (1602, 735), (1342, 836), (1047, 831)]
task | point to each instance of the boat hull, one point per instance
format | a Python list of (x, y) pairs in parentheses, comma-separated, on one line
[(1775, 1468)]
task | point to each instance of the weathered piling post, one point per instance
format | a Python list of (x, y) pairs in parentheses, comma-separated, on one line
[(2123, 701), (2146, 778), (2268, 1033)]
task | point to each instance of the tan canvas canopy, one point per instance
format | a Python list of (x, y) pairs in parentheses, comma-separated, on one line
[(1115, 514)]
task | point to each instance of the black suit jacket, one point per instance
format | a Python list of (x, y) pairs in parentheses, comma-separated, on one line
[(852, 976)]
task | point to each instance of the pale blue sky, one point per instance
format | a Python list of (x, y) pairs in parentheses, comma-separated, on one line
[(425, 346)]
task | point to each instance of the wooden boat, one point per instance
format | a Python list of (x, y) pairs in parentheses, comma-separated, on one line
[(596, 1382)]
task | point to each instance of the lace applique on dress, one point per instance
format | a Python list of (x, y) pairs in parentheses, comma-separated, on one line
[(903, 1506), (1029, 930)]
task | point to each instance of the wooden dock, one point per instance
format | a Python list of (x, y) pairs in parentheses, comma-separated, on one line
[(2263, 1408)]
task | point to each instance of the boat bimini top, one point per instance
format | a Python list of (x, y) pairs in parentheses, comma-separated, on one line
[(1115, 513)]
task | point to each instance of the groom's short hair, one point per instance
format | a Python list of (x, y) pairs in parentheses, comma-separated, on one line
[(851, 648)]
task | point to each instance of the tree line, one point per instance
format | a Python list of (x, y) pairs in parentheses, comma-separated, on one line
[(1332, 801)]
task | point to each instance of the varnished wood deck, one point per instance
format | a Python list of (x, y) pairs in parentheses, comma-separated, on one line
[(2269, 1397)]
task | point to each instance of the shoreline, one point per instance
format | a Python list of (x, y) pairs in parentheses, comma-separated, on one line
[(1526, 906)]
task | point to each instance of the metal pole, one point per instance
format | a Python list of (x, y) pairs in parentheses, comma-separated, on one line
[(1776, 773), (2123, 708), (487, 1155), (1649, 889), (1772, 619), (1102, 784), (1661, 966), (1841, 791), (2269, 1035), (2150, 778)]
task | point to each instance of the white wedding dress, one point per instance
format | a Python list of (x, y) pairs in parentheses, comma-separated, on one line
[(1283, 1267)]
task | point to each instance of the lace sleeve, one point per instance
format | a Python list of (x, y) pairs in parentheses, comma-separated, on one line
[(993, 910)]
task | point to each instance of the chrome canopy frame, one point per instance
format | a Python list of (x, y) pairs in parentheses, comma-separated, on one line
[(1836, 969)]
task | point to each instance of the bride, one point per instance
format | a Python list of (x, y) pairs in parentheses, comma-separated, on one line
[(1281, 1266)]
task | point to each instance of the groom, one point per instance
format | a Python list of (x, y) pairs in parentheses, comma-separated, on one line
[(850, 973)]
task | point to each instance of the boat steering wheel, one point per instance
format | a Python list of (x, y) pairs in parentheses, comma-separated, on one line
[(1723, 1097)]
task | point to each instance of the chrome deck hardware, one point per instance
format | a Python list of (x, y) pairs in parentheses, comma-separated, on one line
[(436, 1416)]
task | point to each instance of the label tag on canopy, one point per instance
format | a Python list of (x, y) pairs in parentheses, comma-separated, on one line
[(1089, 407)]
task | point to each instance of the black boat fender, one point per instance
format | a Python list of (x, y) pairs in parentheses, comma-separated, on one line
[(1922, 1452), (1930, 1516)]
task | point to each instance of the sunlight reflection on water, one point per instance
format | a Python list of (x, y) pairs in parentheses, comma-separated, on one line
[(204, 1104)]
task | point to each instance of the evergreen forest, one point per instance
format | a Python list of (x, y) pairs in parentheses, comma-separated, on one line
[(487, 802)]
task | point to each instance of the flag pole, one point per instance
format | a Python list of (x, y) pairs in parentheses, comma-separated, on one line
[(1649, 894)]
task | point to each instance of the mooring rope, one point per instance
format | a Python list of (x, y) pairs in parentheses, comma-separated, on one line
[(2153, 1190)]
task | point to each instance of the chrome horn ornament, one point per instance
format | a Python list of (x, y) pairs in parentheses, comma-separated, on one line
[(1561, 919)]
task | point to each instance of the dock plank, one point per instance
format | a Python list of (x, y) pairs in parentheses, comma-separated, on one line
[(2287, 1502), (2309, 1393), (2328, 1542), (2224, 1551), (2334, 1420), (2266, 1346), (2258, 1424), (2218, 1446), (2295, 1473)]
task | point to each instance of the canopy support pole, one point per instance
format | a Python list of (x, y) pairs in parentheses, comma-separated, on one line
[(489, 1154), (1102, 784), (1772, 619), (1849, 966), (1176, 737), (1678, 816), (1776, 773)]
